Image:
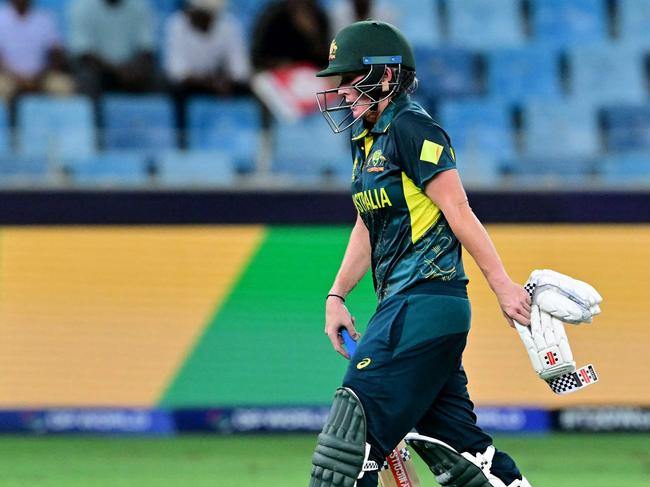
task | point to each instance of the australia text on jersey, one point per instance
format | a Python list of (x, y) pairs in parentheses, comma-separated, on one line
[(372, 199)]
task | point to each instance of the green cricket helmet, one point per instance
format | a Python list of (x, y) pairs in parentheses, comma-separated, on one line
[(365, 48)]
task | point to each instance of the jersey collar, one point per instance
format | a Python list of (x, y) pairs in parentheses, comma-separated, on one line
[(383, 124)]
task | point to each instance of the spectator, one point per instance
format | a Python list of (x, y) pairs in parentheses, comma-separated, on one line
[(291, 31), (31, 54), (113, 41), (205, 53), (344, 12), (205, 50)]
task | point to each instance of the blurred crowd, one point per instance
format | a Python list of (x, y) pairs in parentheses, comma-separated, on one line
[(111, 46), (503, 76)]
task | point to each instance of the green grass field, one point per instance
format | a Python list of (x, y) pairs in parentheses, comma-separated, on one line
[(282, 461)]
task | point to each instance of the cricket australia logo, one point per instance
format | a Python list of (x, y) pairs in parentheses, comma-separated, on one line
[(333, 48), (375, 162)]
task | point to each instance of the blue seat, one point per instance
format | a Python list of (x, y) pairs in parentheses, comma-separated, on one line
[(196, 168), (231, 126), (308, 150), (563, 23), (111, 168), (560, 129), (627, 127), (485, 24), (606, 73), (478, 170), (522, 74), (23, 170), (550, 171), (4, 129), (138, 122), (447, 72), (479, 129), (419, 21), (633, 21), (627, 170), (58, 127)]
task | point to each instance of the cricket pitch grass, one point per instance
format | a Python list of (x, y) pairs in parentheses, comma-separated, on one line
[(578, 460)]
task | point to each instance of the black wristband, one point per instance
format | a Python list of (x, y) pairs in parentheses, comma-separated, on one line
[(336, 296)]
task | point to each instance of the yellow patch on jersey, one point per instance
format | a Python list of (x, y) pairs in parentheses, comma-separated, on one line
[(431, 152)]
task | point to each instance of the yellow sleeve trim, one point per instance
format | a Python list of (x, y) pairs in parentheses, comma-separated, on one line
[(431, 152)]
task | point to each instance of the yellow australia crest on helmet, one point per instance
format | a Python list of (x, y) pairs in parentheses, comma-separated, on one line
[(333, 48)]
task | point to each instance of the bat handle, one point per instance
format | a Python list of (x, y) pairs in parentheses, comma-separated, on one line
[(350, 344)]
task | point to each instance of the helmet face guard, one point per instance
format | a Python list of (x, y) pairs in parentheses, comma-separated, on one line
[(338, 112)]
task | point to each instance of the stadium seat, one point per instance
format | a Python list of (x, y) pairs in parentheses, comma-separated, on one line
[(521, 74), (627, 127), (56, 127), (133, 122), (606, 73), (478, 170), (484, 24), (4, 129), (551, 171), (309, 150), (479, 129), (560, 129), (419, 21), (112, 168), (447, 72), (633, 21), (231, 126), (22, 169), (195, 168), (563, 23), (627, 169)]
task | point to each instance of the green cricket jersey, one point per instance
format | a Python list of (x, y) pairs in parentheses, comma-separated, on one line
[(393, 161)]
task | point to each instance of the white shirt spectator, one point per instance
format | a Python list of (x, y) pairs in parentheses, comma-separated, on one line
[(192, 53), (26, 40), (114, 33)]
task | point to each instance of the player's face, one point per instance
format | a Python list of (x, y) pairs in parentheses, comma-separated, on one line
[(352, 96)]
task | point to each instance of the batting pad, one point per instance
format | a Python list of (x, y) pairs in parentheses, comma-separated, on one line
[(450, 468), (341, 450), (573, 381)]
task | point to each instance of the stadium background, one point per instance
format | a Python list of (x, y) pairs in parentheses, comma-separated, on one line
[(148, 290)]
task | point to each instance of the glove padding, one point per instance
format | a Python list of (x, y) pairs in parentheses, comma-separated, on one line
[(558, 298), (547, 344), (567, 299)]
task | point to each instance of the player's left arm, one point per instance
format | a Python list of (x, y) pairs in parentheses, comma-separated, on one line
[(446, 191)]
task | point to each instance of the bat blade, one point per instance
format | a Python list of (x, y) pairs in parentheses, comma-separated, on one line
[(399, 469)]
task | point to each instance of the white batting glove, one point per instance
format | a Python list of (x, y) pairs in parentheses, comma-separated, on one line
[(558, 298), (547, 344), (569, 300)]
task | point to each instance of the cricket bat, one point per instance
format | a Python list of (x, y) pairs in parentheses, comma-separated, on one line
[(398, 469)]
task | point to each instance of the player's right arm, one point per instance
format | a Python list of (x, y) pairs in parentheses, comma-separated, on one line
[(354, 266)]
